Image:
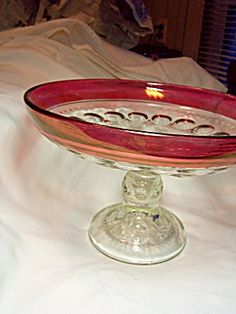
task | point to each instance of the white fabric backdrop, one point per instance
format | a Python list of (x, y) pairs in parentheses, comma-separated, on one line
[(48, 196)]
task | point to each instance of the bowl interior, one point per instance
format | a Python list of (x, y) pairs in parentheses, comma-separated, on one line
[(136, 123)]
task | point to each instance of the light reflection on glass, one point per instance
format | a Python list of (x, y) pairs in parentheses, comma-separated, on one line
[(153, 92)]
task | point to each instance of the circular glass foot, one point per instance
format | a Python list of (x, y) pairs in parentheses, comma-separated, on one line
[(138, 237), (138, 231)]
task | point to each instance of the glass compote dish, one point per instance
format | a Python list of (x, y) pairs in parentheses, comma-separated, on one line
[(146, 129)]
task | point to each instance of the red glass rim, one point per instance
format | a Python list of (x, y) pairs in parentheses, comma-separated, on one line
[(36, 98)]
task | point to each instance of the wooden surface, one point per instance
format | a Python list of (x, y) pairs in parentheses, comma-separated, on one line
[(184, 18)]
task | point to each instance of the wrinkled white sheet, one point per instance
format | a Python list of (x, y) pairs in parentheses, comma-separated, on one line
[(48, 196)]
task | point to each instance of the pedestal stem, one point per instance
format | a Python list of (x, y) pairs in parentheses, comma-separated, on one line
[(142, 190), (138, 230)]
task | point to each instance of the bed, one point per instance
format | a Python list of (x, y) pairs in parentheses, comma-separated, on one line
[(48, 196)]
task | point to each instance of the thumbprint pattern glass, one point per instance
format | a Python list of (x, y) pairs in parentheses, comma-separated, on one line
[(148, 129)]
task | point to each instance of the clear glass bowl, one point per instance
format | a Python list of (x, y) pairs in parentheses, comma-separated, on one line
[(146, 129)]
